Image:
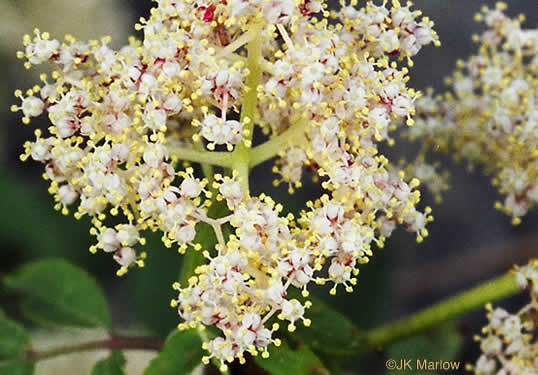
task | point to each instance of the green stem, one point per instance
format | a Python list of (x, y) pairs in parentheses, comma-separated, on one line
[(461, 304), (241, 155), (223, 159), (114, 342), (207, 170), (272, 147)]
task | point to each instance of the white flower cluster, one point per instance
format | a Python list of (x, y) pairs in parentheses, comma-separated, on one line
[(491, 118), (250, 274), (326, 87), (510, 341)]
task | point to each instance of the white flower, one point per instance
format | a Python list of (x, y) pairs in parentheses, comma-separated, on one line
[(219, 132), (41, 50), (190, 188), (221, 348), (186, 234), (109, 241), (155, 154), (68, 195), (125, 256), (155, 118), (491, 345), (292, 310), (173, 104), (32, 106), (485, 365), (127, 235)]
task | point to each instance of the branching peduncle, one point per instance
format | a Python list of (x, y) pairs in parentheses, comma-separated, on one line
[(220, 158), (241, 155), (293, 135)]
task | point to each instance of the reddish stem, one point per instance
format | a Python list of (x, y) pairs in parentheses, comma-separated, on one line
[(114, 342)]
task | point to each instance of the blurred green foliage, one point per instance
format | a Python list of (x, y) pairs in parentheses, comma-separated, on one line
[(181, 354), (58, 292), (112, 365), (286, 361)]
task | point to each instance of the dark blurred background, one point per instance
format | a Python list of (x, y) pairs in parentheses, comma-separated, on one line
[(469, 240)]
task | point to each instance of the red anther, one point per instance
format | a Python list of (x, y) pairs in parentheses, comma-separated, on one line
[(209, 14)]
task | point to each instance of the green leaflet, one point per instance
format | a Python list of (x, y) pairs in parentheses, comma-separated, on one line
[(13, 338), (181, 354), (113, 365), (16, 367), (330, 333), (286, 361), (62, 293)]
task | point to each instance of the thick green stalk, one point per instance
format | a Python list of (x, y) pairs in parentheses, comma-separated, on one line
[(222, 159), (241, 155), (207, 170), (451, 308), (265, 151)]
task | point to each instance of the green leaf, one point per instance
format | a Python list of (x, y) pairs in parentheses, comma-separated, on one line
[(113, 365), (13, 338), (440, 344), (285, 361), (46, 314), (181, 354), (330, 332), (69, 294), (16, 367)]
